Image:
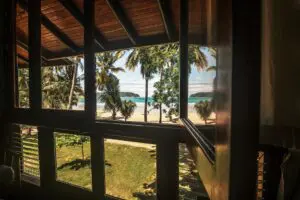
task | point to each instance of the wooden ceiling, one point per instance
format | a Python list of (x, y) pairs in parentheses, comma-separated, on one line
[(119, 24)]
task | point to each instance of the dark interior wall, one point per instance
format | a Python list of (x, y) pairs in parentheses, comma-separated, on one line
[(286, 54), (280, 97), (2, 96)]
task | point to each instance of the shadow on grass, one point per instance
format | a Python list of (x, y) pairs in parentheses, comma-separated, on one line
[(78, 164)]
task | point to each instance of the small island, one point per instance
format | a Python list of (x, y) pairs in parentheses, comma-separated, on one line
[(202, 94), (123, 94), (128, 94)]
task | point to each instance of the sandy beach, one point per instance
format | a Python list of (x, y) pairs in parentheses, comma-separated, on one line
[(153, 115)]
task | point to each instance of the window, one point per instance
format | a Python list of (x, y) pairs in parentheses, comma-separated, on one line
[(139, 85), (63, 86), (130, 169), (73, 159), (202, 83)]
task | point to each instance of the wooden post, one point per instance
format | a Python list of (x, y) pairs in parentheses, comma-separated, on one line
[(167, 169), (46, 143), (34, 46), (97, 161), (89, 60), (183, 42)]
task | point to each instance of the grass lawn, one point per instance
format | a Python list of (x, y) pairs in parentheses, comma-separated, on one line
[(130, 171)]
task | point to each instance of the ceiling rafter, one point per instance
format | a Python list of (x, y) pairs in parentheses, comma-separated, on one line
[(164, 7), (119, 12), (77, 14), (53, 29)]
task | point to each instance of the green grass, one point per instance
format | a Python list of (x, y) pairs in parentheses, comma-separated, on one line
[(128, 170)]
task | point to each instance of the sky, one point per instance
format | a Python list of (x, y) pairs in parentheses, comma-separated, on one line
[(132, 81)]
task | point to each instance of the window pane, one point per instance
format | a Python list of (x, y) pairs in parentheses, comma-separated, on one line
[(190, 184), (201, 108), (140, 84), (130, 169), (63, 87), (73, 157)]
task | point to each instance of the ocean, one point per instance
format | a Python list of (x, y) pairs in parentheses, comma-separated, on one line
[(139, 100)]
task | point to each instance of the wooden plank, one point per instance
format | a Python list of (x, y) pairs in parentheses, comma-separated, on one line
[(76, 13), (89, 60), (52, 28), (165, 10), (119, 44), (10, 71), (184, 69), (123, 19), (34, 45), (167, 169), (98, 165), (47, 158)]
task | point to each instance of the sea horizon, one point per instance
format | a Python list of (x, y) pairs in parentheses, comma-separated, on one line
[(141, 100)]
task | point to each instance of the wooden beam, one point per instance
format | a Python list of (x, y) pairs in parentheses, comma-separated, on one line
[(89, 60), (183, 44), (23, 58), (118, 10), (76, 13), (167, 169), (34, 27), (53, 29), (166, 15), (10, 32), (47, 158), (117, 45)]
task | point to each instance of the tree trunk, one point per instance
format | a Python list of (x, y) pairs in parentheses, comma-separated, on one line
[(160, 113), (160, 104), (146, 100), (114, 114), (82, 150), (69, 107)]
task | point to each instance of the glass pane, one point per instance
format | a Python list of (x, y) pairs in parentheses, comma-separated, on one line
[(140, 84), (30, 150), (201, 109), (22, 64), (63, 87), (190, 184), (73, 159), (130, 169)]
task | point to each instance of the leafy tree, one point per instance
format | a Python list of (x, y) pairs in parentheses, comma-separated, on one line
[(127, 109), (203, 109), (23, 85), (58, 85), (110, 95)]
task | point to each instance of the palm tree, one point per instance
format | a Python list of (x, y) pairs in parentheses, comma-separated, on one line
[(58, 84), (105, 66), (144, 57), (203, 109), (110, 95), (197, 57), (127, 109)]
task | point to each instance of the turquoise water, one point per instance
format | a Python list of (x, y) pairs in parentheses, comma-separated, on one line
[(150, 99)]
